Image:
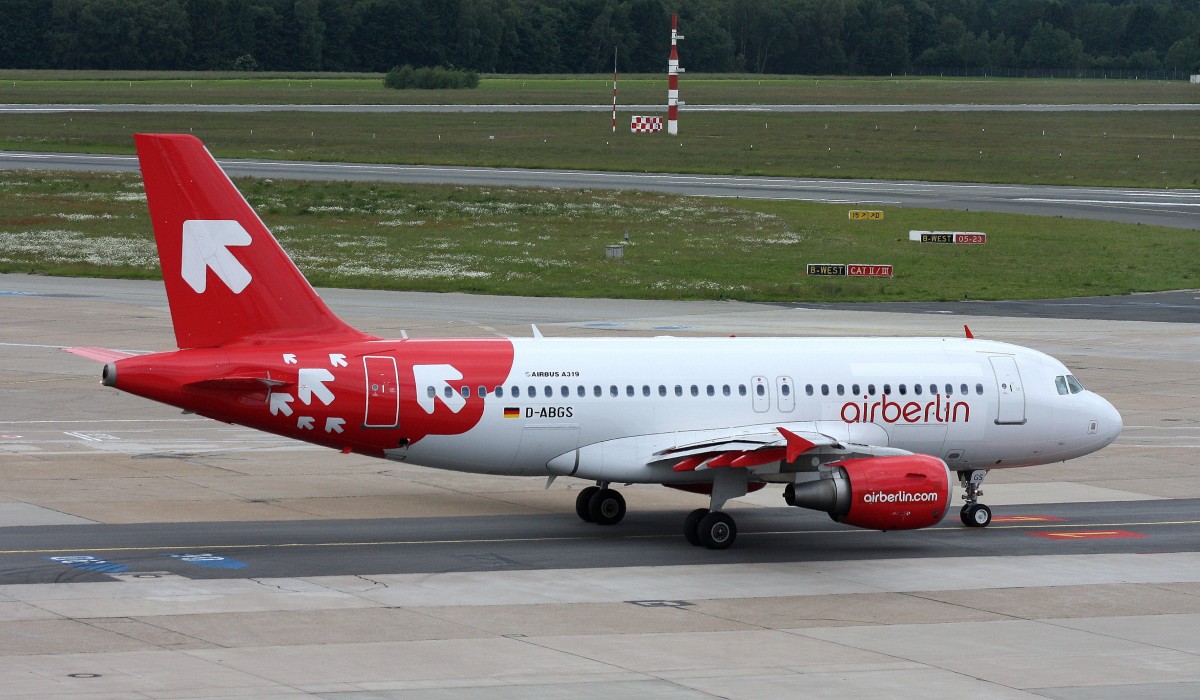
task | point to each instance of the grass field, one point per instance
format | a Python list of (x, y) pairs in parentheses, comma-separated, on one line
[(551, 243), (41, 87), (1135, 149)]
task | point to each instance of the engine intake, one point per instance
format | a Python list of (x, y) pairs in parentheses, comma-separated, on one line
[(879, 493)]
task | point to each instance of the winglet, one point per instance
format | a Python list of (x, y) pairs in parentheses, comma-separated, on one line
[(967, 329), (796, 445)]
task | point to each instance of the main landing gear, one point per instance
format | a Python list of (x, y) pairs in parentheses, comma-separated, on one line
[(974, 513), (600, 505), (711, 527)]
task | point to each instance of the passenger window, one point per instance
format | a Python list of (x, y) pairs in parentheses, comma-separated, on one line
[(580, 391), (430, 391), (448, 392), (887, 389), (871, 389), (499, 392), (678, 390), (933, 388), (760, 390), (725, 390), (855, 389), (481, 392), (808, 389), (741, 389), (962, 389), (916, 389), (662, 390), (903, 390), (532, 393), (785, 390), (979, 389), (824, 390), (710, 390), (564, 390), (548, 391), (841, 390), (629, 390), (949, 390), (516, 392), (1061, 384), (597, 391), (645, 390), (695, 390), (612, 390)]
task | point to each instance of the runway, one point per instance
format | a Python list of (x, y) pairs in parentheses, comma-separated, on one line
[(152, 554), (624, 109), (1174, 208)]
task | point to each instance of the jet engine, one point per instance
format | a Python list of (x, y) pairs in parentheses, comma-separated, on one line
[(906, 492)]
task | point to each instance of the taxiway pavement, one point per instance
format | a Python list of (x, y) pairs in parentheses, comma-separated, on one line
[(196, 559), (624, 109), (1175, 208)]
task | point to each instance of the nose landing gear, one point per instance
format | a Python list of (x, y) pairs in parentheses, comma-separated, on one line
[(974, 513)]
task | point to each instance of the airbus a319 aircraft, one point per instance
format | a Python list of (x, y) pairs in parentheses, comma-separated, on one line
[(873, 431)]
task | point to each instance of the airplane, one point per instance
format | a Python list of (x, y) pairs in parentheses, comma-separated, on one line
[(872, 431)]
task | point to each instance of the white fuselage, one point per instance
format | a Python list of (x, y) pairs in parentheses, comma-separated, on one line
[(976, 404)]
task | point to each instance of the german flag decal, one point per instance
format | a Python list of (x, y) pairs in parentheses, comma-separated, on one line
[(512, 413)]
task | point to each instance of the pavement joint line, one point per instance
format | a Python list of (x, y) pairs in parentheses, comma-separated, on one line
[(496, 540)]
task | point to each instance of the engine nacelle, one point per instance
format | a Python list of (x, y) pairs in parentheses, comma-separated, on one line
[(880, 493)]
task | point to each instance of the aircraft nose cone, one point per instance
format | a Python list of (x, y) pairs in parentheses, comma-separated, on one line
[(1110, 421)]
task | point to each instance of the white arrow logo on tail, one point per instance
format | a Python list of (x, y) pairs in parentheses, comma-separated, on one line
[(305, 423), (312, 383), (289, 358), (438, 377), (206, 245), (280, 404), (337, 359), (334, 425)]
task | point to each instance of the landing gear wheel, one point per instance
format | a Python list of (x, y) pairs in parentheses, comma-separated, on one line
[(606, 507), (975, 515), (691, 526), (583, 501), (717, 531)]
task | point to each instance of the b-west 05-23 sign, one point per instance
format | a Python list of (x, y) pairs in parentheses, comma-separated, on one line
[(968, 237)]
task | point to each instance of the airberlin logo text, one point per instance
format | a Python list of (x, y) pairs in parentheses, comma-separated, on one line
[(886, 411), (901, 497)]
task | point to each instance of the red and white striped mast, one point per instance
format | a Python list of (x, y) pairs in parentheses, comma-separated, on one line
[(614, 90), (673, 71)]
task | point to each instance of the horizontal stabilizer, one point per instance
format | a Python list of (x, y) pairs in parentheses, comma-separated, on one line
[(99, 354), (238, 383)]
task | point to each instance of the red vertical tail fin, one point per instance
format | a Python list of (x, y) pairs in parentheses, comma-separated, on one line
[(227, 278)]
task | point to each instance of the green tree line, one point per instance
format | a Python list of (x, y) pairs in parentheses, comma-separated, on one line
[(578, 36)]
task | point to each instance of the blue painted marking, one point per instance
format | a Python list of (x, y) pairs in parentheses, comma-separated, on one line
[(88, 563), (607, 324), (210, 560), (13, 293), (670, 328)]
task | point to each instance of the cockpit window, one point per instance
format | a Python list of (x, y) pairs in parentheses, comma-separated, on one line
[(1067, 384)]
